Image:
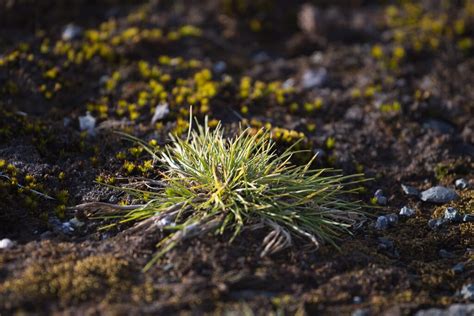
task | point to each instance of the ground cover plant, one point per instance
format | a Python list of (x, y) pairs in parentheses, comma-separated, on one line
[(213, 184)]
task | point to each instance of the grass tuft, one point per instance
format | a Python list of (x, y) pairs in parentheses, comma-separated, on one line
[(214, 184)]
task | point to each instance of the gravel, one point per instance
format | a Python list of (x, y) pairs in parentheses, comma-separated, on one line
[(87, 123), (407, 211), (410, 191), (453, 310), (451, 214), (468, 218), (161, 111), (467, 291), (461, 184), (382, 223), (381, 199), (6, 243), (71, 32), (458, 268)]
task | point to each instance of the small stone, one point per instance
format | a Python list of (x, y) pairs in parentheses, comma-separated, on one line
[(76, 222), (411, 191), (446, 254), (453, 310), (439, 194), (360, 312), (381, 200), (70, 32), (440, 126), (357, 299), (87, 123), (461, 184), (436, 223), (392, 219), (458, 268), (468, 218), (6, 243), (406, 211), (378, 193), (161, 111), (219, 67), (382, 223), (451, 214), (467, 292), (314, 78)]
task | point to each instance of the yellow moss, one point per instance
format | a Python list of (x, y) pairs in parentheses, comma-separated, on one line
[(69, 281)]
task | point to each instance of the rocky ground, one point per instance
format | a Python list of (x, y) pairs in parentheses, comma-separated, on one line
[(386, 90)]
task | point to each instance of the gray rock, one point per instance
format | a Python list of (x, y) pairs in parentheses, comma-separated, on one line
[(406, 211), (443, 253), (360, 312), (357, 299), (440, 126), (458, 268), (411, 191), (439, 194), (382, 223), (70, 32), (314, 78), (219, 67), (87, 123), (461, 184), (6, 243), (382, 200), (161, 111), (451, 214), (378, 193), (453, 310), (392, 219), (437, 223), (468, 218), (467, 291)]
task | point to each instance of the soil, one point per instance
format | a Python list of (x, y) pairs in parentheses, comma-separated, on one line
[(386, 90)]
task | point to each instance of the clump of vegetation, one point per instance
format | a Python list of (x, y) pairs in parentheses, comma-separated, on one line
[(217, 184)]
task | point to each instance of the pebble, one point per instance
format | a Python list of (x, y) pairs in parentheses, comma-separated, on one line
[(451, 214), (87, 123), (458, 268), (161, 111), (468, 218), (411, 191), (70, 32), (6, 243), (219, 67), (382, 223), (440, 126), (406, 211), (380, 198), (461, 184), (436, 223), (357, 299), (392, 219), (314, 78), (360, 312), (453, 310), (467, 291), (439, 194), (443, 253)]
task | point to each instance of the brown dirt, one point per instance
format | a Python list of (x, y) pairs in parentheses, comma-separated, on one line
[(405, 119)]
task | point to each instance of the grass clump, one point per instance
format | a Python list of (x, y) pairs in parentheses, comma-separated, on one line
[(211, 183)]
